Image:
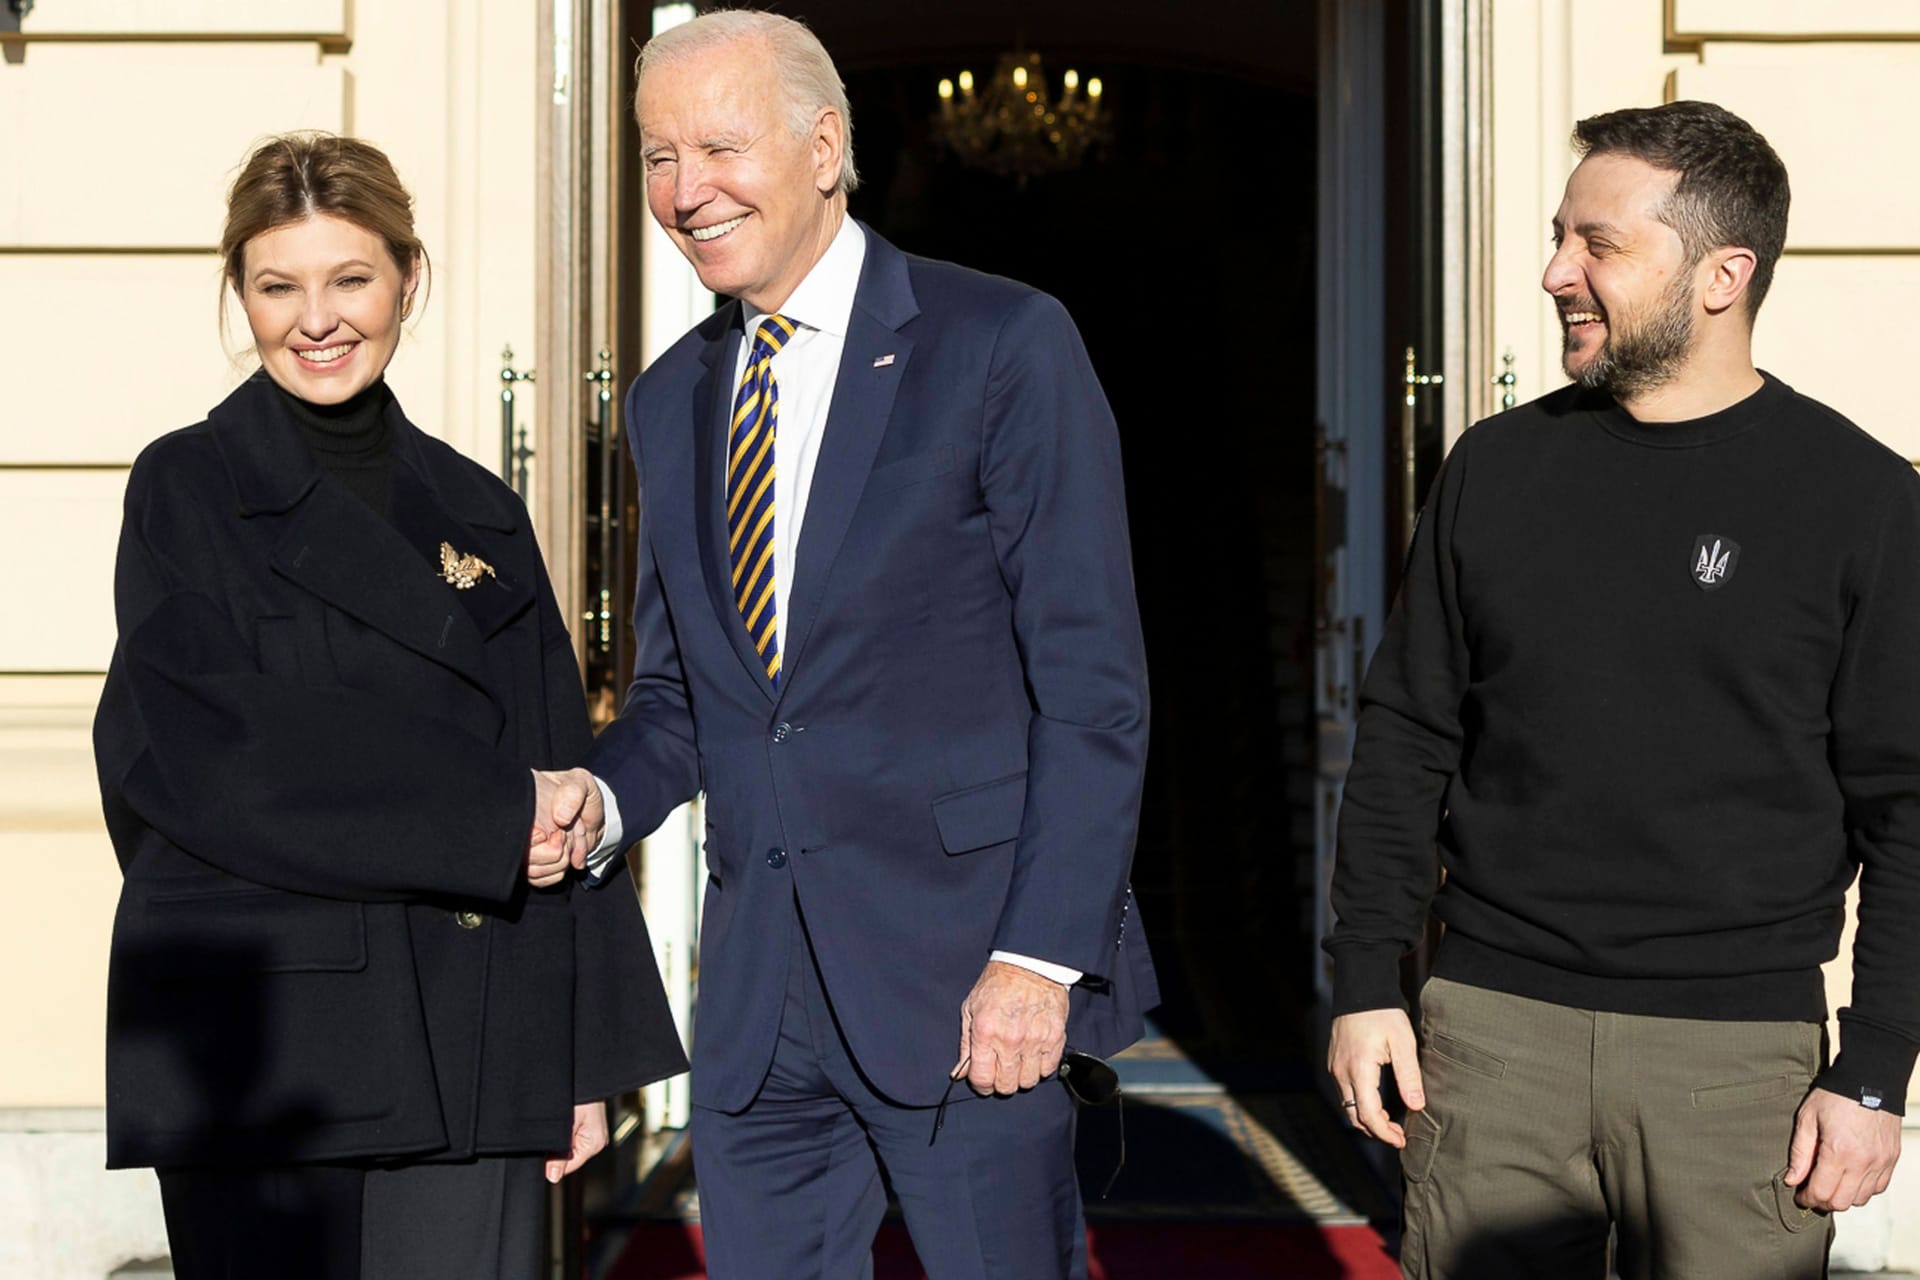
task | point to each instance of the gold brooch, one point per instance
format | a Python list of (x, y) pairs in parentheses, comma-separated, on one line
[(463, 571)]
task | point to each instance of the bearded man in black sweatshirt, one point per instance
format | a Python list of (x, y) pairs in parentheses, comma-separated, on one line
[(1648, 700)]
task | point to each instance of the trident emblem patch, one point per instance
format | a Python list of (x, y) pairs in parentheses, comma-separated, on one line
[(1714, 560)]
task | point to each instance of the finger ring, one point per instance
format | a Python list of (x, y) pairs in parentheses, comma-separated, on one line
[(1350, 1103)]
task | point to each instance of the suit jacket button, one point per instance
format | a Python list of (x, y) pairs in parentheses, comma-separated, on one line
[(776, 858), (467, 919), (782, 731)]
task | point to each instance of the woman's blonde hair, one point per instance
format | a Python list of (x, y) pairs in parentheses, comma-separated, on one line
[(294, 176)]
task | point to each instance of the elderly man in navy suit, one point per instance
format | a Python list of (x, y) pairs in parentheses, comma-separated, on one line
[(885, 618)]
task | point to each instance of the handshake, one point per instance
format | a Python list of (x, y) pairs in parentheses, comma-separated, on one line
[(568, 824)]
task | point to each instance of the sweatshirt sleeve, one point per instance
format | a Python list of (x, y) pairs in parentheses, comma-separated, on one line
[(1874, 743), (1406, 751)]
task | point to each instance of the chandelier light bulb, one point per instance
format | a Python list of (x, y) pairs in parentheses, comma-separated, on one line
[(1010, 123)]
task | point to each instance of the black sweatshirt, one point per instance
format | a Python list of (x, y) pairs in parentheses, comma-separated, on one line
[(1656, 689)]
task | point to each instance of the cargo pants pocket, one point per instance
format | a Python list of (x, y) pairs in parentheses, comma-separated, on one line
[(1424, 1134)]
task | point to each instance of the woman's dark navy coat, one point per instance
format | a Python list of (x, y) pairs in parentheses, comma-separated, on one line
[(314, 759)]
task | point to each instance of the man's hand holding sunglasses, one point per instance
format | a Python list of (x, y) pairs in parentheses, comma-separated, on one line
[(1013, 1029)]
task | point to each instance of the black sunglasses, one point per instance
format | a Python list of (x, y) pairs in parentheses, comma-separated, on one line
[(1090, 1081)]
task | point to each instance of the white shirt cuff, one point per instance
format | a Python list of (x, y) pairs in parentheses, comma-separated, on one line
[(1057, 972), (600, 861)]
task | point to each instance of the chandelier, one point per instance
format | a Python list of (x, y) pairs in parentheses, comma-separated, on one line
[(1013, 126)]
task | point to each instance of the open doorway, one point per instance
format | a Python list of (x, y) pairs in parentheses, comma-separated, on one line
[(1188, 251)]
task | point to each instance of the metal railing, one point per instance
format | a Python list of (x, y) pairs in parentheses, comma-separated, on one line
[(603, 520), (515, 452)]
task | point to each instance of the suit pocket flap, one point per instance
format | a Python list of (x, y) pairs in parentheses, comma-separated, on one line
[(233, 932), (983, 815), (889, 476)]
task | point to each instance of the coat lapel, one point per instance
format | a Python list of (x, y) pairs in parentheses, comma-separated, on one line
[(495, 599), (386, 576), (337, 549), (712, 406), (872, 363)]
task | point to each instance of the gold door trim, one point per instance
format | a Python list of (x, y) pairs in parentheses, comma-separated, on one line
[(1678, 41)]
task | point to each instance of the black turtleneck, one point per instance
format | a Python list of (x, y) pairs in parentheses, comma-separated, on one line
[(352, 441), (1652, 689)]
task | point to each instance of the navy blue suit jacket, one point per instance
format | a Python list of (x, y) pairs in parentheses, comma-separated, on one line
[(952, 762)]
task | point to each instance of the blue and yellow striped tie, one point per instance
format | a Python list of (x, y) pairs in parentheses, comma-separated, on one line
[(756, 415)]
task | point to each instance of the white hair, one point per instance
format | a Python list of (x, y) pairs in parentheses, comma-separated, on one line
[(808, 80)]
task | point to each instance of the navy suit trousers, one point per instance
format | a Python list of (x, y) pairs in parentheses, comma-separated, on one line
[(793, 1185)]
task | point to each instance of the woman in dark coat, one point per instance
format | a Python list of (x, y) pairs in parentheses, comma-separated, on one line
[(355, 1004)]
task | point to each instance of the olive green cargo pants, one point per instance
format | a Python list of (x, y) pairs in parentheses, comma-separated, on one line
[(1546, 1125)]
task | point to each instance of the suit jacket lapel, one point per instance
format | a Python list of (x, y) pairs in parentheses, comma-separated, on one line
[(713, 411), (863, 395)]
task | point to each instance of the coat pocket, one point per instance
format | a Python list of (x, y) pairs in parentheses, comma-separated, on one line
[(196, 930), (980, 816)]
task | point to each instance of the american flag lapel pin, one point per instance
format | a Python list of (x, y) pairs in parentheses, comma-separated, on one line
[(881, 362)]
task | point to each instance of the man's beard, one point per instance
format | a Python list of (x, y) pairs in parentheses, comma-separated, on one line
[(1645, 356)]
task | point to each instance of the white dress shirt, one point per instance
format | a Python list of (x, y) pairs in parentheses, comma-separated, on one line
[(805, 370)]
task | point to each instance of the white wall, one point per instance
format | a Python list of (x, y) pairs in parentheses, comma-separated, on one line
[(126, 121)]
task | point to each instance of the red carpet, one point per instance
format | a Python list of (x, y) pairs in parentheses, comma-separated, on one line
[(1121, 1251)]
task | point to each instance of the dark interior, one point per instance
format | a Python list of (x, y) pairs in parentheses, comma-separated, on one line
[(1184, 250)]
